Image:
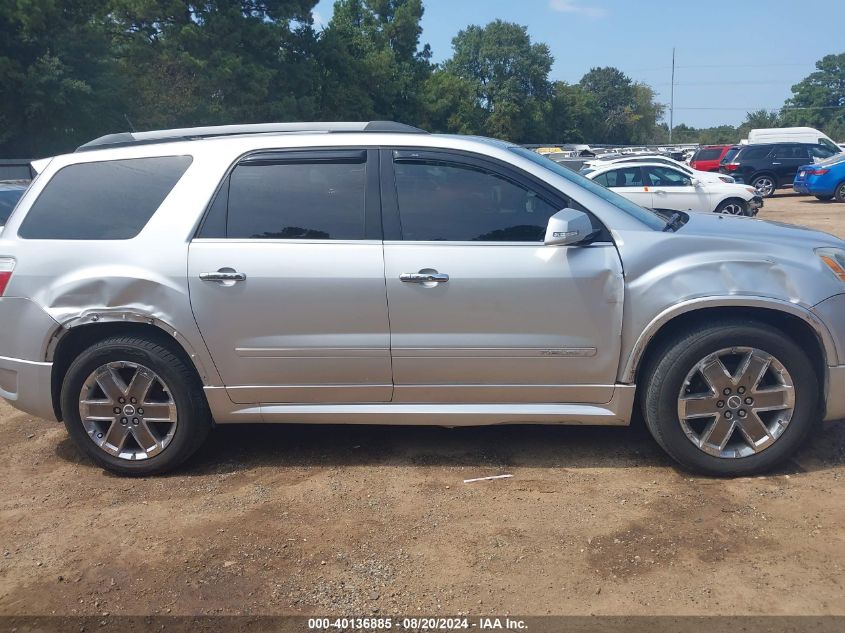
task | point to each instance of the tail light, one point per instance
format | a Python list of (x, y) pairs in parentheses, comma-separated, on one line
[(731, 166), (817, 172), (7, 265)]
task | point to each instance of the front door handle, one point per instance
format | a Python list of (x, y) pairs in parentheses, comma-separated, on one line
[(221, 275), (424, 278)]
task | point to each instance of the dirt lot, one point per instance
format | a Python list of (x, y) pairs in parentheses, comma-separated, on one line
[(350, 520)]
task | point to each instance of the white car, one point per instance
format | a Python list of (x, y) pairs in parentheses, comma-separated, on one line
[(658, 186), (704, 176)]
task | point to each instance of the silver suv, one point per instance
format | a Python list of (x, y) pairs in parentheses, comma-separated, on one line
[(154, 284)]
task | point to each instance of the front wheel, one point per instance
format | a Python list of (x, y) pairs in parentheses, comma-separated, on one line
[(731, 398), (134, 406), (765, 185), (734, 206)]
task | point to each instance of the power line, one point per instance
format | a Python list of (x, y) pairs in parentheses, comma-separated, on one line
[(755, 108)]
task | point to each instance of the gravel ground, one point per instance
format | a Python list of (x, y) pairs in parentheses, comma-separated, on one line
[(360, 520)]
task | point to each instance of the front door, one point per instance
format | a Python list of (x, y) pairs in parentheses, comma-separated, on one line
[(481, 311), (673, 189), (287, 279), (786, 160)]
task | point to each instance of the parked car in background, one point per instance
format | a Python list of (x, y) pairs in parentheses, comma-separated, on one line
[(657, 186), (824, 180), (704, 176), (769, 166), (807, 135), (707, 158), (10, 192)]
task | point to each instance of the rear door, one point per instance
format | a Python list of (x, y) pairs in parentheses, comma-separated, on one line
[(287, 279), (628, 182)]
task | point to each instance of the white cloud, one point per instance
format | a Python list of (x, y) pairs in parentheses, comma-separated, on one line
[(574, 6), (319, 22)]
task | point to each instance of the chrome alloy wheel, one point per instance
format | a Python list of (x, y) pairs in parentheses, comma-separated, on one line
[(765, 186), (736, 402), (127, 410), (734, 208)]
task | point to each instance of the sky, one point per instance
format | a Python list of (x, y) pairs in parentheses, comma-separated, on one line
[(730, 57)]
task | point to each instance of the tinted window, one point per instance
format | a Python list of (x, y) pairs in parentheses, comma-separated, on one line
[(625, 177), (755, 153), (304, 201), (707, 154), (666, 177), (792, 152), (448, 201), (110, 200)]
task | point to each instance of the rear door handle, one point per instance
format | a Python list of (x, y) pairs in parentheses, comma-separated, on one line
[(424, 278), (223, 276)]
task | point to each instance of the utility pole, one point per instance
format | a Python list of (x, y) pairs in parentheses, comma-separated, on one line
[(672, 98)]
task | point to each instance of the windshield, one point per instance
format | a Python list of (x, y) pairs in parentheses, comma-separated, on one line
[(646, 216)]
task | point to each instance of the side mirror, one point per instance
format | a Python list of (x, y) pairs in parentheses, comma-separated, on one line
[(695, 182), (568, 227)]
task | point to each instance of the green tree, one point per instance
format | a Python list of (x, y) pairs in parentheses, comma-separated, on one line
[(61, 84), (819, 100), (215, 61), (508, 76), (615, 94), (573, 115), (371, 65), (761, 118)]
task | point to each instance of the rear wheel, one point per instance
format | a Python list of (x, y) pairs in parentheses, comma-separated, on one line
[(733, 206), (840, 192), (731, 398), (134, 406), (765, 185)]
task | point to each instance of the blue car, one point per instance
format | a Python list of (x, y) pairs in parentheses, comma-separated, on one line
[(825, 180)]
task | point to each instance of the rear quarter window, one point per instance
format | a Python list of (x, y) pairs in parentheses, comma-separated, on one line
[(108, 200)]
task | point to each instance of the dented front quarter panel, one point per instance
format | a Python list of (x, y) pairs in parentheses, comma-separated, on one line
[(718, 261)]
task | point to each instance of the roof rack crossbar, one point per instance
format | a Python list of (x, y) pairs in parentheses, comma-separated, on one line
[(126, 139)]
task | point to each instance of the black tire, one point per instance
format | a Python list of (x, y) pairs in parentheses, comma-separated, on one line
[(664, 377), (840, 192), (825, 198), (757, 181), (193, 417), (732, 202)]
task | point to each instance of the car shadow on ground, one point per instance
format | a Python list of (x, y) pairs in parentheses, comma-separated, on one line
[(243, 447)]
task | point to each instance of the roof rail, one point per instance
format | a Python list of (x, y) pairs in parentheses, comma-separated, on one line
[(126, 139)]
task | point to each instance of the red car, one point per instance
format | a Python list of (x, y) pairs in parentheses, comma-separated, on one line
[(707, 158)]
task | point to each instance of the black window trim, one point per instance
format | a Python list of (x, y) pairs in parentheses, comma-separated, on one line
[(392, 225), (299, 155)]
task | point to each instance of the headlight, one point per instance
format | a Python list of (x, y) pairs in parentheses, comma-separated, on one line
[(752, 190), (728, 179), (834, 258)]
